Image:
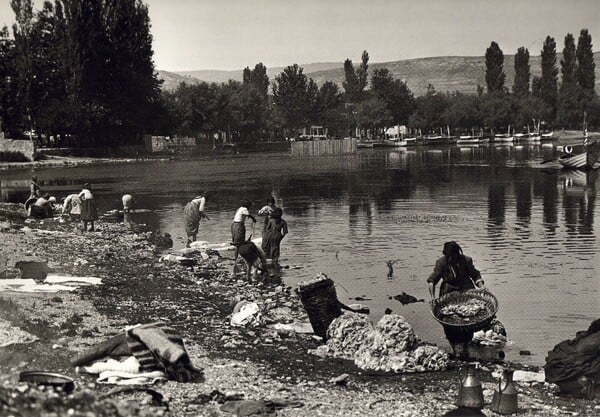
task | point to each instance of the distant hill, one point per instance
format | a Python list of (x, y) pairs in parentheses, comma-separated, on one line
[(451, 73)]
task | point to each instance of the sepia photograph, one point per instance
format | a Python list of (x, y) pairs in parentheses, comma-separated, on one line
[(299, 208)]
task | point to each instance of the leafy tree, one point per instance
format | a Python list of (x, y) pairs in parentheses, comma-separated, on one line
[(462, 111), (522, 73), (569, 109), (330, 96), (254, 102), (395, 93), (372, 114), (496, 111), (291, 97), (429, 111), (258, 78), (332, 112), (548, 90), (494, 74), (526, 109)]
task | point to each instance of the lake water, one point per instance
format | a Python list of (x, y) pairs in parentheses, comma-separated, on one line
[(532, 232)]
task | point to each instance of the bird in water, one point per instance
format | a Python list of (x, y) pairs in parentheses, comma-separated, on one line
[(390, 265)]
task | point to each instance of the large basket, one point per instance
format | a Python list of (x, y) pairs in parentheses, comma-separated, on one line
[(491, 303), (321, 304)]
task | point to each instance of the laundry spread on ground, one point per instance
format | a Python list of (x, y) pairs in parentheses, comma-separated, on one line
[(52, 283)]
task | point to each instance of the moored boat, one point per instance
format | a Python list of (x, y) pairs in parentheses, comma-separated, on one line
[(470, 139), (588, 158), (504, 138), (549, 136)]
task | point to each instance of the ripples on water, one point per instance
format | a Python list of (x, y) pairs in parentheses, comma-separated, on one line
[(531, 232)]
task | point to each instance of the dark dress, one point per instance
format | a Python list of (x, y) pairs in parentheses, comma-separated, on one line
[(275, 231), (461, 277), (192, 218)]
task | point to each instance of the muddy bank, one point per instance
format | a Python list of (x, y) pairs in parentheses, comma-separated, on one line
[(252, 363)]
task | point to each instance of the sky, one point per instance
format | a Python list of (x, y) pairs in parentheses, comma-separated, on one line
[(233, 34)]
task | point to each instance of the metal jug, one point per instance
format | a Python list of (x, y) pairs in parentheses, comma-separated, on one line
[(505, 399), (470, 393)]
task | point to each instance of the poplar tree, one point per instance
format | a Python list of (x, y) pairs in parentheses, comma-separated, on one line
[(362, 72), (568, 96), (549, 78), (522, 73), (585, 75), (350, 82), (9, 116), (494, 74)]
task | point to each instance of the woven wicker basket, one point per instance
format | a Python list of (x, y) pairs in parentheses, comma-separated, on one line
[(491, 303), (321, 304)]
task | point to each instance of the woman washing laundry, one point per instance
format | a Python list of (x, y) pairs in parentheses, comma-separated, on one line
[(456, 273), (238, 228)]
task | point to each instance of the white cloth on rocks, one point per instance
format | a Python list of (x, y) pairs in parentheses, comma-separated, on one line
[(390, 346)]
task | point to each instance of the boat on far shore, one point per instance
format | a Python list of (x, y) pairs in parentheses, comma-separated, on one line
[(471, 140)]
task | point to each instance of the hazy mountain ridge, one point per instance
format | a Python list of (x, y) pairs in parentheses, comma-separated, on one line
[(450, 73)]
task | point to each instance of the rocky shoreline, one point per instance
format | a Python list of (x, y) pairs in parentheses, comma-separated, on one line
[(259, 363)]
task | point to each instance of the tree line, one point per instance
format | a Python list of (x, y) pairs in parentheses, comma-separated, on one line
[(81, 73)]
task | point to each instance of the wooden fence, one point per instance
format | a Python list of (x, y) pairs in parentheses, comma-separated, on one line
[(324, 147)]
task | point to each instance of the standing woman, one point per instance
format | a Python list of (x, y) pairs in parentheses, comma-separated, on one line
[(238, 228), (89, 212), (34, 188), (274, 234), (193, 213), (267, 211), (457, 273)]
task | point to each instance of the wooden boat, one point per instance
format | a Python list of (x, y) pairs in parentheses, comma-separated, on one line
[(504, 138), (432, 139), (470, 139), (589, 158), (549, 136), (528, 137), (362, 144)]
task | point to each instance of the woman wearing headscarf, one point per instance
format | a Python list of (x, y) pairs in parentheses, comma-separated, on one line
[(455, 270), (457, 273)]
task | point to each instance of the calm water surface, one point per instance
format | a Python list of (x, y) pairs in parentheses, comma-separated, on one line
[(531, 231)]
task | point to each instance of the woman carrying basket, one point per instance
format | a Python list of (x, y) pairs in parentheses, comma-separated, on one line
[(457, 273)]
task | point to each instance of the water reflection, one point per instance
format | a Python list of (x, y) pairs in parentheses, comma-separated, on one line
[(530, 231)]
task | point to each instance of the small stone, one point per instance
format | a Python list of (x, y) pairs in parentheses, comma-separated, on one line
[(340, 379)]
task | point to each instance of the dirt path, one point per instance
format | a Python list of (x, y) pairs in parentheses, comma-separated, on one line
[(257, 363)]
